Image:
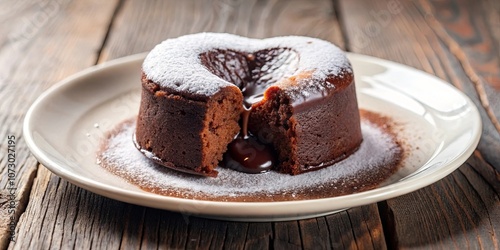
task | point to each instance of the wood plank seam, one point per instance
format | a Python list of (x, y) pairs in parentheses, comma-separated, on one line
[(457, 206), (340, 19), (386, 216), (300, 235), (40, 232), (494, 237), (332, 242), (352, 230), (492, 178), (112, 20), (490, 211), (58, 208), (483, 204), (23, 198), (366, 222)]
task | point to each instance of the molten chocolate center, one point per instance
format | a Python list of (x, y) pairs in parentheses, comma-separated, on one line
[(252, 73), (246, 153)]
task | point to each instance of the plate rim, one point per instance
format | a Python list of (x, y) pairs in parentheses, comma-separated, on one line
[(154, 200)]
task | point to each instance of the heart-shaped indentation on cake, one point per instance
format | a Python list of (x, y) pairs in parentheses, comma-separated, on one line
[(252, 72), (201, 65)]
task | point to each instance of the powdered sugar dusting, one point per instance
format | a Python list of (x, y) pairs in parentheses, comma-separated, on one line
[(175, 63), (377, 158)]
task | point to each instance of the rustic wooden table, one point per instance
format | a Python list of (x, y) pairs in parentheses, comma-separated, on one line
[(44, 41)]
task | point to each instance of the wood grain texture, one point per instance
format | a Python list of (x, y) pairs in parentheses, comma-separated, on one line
[(474, 43), (40, 43), (62, 215), (461, 211), (379, 30), (75, 218), (475, 36), (366, 231), (133, 30)]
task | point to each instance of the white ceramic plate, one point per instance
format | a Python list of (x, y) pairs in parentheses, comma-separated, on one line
[(65, 124)]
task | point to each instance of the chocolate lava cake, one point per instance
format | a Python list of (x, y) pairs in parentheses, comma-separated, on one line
[(286, 103)]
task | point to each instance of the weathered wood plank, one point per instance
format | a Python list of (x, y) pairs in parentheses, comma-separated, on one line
[(476, 48), (209, 234), (248, 18), (287, 235), (460, 211), (40, 43), (450, 213), (86, 220), (356, 228), (54, 221), (313, 233), (91, 221), (258, 236)]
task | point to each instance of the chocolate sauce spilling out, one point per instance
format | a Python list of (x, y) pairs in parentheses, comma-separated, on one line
[(252, 94), (252, 73), (246, 153)]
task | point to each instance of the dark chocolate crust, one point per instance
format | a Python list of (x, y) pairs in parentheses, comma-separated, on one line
[(186, 135), (310, 135)]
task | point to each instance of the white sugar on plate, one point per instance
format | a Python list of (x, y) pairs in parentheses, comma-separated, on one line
[(377, 158)]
